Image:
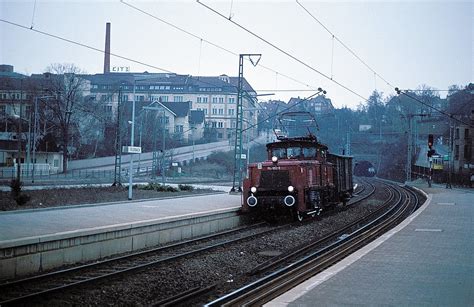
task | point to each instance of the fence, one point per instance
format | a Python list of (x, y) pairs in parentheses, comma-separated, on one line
[(47, 174)]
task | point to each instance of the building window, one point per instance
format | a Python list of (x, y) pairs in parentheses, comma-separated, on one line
[(163, 99), (467, 153), (231, 112), (221, 99), (456, 152), (56, 163), (3, 109), (214, 111), (205, 111), (231, 100), (202, 99), (178, 98), (232, 124), (178, 128), (221, 111), (466, 134), (220, 124), (213, 124), (456, 136), (125, 98), (214, 99), (95, 86)]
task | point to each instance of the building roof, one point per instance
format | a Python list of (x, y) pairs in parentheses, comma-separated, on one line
[(181, 109), (196, 117), (188, 83)]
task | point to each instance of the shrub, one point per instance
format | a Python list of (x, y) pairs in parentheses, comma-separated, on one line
[(158, 187), (16, 194), (185, 187), (166, 188)]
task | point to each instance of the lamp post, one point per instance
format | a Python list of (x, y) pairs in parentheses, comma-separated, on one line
[(132, 141)]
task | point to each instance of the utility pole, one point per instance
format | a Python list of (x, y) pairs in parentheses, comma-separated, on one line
[(237, 176), (118, 143), (132, 143), (163, 147), (35, 124), (408, 167), (410, 146)]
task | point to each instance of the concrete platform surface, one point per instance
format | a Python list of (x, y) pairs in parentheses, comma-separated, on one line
[(428, 260), (23, 224)]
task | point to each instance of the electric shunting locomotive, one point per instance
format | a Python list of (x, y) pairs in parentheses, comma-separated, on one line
[(300, 178)]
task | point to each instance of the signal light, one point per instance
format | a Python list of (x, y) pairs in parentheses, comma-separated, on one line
[(430, 140)]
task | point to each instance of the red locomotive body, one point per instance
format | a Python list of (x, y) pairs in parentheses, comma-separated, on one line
[(298, 179)]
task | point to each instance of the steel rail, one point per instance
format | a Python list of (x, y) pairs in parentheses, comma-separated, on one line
[(333, 236), (274, 284), (38, 283)]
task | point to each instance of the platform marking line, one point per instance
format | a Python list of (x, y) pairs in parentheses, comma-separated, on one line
[(298, 291), (428, 230), (446, 204)]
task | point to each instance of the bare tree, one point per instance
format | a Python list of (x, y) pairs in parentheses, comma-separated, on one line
[(66, 88)]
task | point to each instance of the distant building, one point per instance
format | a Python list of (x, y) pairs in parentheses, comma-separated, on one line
[(215, 97), (317, 105), (17, 94), (462, 108)]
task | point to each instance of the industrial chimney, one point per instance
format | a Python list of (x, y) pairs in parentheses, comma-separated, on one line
[(107, 49)]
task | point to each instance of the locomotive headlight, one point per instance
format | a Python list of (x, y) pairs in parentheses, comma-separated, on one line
[(291, 188), (253, 189), (274, 159)]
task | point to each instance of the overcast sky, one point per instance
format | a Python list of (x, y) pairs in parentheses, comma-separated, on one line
[(408, 43)]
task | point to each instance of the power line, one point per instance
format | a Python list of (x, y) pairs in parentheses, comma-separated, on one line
[(102, 51), (85, 46), (344, 45), (320, 90), (205, 40), (284, 90), (282, 51)]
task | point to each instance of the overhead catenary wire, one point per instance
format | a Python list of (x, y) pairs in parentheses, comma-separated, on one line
[(320, 90), (209, 42), (99, 50), (85, 46), (283, 51), (344, 45)]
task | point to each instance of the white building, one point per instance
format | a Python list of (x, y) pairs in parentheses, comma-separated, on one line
[(216, 97)]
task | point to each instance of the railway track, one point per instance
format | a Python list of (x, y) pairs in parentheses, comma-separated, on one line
[(313, 259), (40, 288), (29, 289)]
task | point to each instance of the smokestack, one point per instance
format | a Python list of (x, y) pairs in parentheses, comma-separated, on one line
[(107, 49)]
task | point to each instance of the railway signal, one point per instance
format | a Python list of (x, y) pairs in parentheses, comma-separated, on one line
[(431, 151)]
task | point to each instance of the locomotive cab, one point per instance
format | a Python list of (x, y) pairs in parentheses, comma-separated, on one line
[(295, 180)]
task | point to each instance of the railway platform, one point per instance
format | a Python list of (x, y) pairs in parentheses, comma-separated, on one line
[(40, 239), (428, 260)]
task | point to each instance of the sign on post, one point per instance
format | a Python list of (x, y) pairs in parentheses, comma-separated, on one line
[(131, 149)]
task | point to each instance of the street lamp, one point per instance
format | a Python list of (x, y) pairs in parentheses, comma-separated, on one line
[(132, 141)]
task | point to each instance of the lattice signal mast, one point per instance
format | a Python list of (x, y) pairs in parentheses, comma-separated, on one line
[(237, 176)]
